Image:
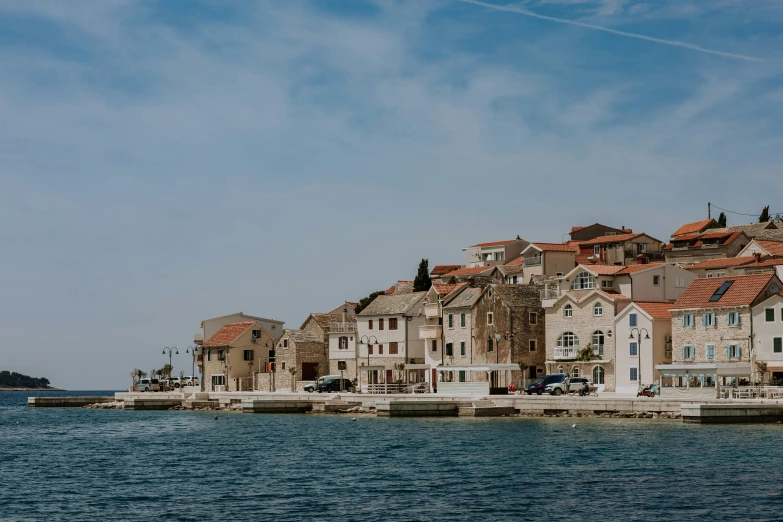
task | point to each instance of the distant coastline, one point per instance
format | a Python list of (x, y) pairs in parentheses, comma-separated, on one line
[(3, 388)]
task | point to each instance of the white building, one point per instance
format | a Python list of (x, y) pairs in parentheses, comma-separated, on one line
[(767, 320), (651, 343)]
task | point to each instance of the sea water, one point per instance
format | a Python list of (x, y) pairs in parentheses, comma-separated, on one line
[(79, 464)]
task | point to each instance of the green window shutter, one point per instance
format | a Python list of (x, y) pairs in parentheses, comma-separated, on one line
[(683, 320), (770, 314), (684, 354), (704, 319), (777, 343)]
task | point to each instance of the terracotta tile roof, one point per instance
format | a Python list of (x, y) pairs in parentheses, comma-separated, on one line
[(742, 292), (775, 248), (556, 247), (577, 228), (767, 262), (656, 309), (520, 261), (721, 263), (445, 290), (688, 228), (494, 243), (726, 237), (511, 269), (471, 271), (603, 269), (610, 239), (614, 295), (439, 270), (637, 268), (228, 334)]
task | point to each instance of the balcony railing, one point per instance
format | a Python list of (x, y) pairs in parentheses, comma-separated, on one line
[(429, 331), (340, 327), (533, 261), (598, 349), (566, 353), (432, 310)]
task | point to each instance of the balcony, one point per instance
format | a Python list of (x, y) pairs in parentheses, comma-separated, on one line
[(550, 293), (533, 261), (598, 349), (340, 327), (432, 310), (565, 354), (198, 338), (429, 331)]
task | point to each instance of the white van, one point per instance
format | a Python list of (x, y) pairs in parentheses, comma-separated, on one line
[(146, 385)]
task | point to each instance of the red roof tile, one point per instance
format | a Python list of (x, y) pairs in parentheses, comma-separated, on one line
[(577, 228), (439, 270), (721, 263), (766, 262), (775, 248), (742, 292), (636, 268), (688, 228), (611, 294), (556, 247), (603, 269), (609, 239), (656, 309), (471, 271), (228, 334), (494, 243), (445, 290)]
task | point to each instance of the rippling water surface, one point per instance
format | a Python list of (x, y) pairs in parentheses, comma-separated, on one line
[(75, 464)]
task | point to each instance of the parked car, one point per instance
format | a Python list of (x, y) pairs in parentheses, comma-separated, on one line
[(191, 380), (557, 388), (333, 385), (539, 385), (146, 385), (311, 387), (174, 382)]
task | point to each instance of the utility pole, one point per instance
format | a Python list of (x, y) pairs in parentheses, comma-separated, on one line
[(709, 210)]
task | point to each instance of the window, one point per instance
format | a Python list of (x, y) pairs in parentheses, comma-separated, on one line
[(721, 291), (596, 250), (777, 345), (449, 349), (560, 370), (221, 355), (434, 345), (770, 314), (380, 324), (708, 319), (632, 319), (598, 310), (733, 351), (256, 334), (285, 343), (369, 324), (392, 323), (343, 343), (462, 348), (209, 354), (532, 318), (575, 372), (710, 351), (380, 349), (607, 283), (568, 311), (490, 347), (369, 349), (656, 280), (688, 352), (462, 320), (462, 375), (490, 318), (679, 282), (732, 318), (634, 349), (583, 281), (634, 374), (218, 380), (247, 355), (567, 340), (532, 345), (451, 321), (598, 375), (282, 365), (514, 280), (394, 348), (598, 342), (687, 320)]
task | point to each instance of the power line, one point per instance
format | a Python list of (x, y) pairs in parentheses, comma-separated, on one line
[(741, 213)]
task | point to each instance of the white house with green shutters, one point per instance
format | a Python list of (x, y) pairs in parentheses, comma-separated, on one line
[(767, 318)]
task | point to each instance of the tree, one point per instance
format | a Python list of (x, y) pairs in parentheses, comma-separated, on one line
[(764, 217), (585, 354), (400, 369), (364, 303), (722, 220), (523, 368), (165, 372), (293, 378), (422, 283)]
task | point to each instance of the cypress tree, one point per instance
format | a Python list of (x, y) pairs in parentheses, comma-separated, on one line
[(722, 220), (422, 283), (764, 217)]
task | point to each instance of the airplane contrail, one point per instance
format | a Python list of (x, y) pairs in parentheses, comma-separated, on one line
[(675, 43)]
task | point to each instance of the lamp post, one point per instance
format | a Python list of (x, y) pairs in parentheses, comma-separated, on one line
[(172, 350), (366, 341), (270, 344), (639, 351), (192, 350)]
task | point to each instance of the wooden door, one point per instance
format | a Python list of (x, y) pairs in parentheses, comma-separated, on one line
[(389, 376)]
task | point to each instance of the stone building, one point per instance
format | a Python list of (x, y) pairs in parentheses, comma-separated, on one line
[(700, 246), (233, 355), (712, 330), (580, 338), (458, 320), (299, 350), (584, 233)]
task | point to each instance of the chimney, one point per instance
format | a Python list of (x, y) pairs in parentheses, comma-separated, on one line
[(757, 256), (518, 238)]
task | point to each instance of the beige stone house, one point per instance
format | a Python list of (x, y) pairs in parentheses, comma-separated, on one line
[(580, 336), (458, 320), (700, 246), (494, 253), (547, 259), (643, 331), (771, 266), (766, 248), (432, 331), (299, 350), (233, 355), (620, 249), (712, 331), (584, 233), (210, 326), (721, 267)]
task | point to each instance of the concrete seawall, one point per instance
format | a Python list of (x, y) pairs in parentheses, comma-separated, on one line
[(65, 402)]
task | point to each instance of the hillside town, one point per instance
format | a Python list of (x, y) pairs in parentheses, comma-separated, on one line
[(612, 307)]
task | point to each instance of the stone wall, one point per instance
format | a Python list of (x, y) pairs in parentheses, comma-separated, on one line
[(720, 335), (458, 334)]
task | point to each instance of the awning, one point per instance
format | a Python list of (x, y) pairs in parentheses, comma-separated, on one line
[(727, 369)]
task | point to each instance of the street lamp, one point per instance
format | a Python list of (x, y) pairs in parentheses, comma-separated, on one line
[(192, 350), (171, 350), (366, 341), (270, 344), (639, 351)]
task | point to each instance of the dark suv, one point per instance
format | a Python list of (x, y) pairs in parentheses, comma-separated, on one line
[(333, 385), (539, 384)]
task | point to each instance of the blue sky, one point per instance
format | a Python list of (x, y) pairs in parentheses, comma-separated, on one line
[(162, 162)]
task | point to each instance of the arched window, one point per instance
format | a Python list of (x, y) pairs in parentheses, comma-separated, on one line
[(567, 340), (598, 310), (598, 375), (575, 372), (598, 342), (560, 369), (584, 281), (568, 311)]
